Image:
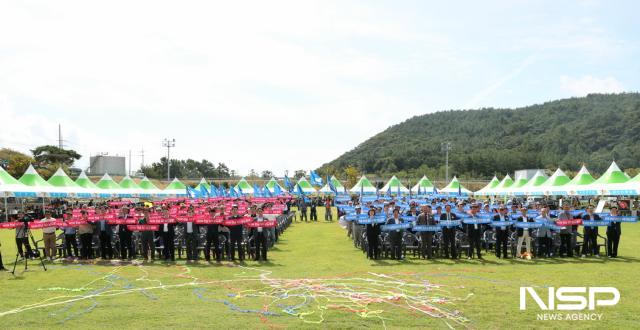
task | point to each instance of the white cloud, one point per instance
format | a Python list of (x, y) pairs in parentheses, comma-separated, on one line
[(589, 84)]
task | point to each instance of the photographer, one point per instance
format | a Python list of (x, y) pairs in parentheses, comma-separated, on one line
[(21, 236)]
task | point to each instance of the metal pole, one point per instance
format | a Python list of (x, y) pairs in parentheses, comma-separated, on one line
[(169, 144)]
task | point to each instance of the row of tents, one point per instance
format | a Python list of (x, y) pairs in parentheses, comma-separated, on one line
[(31, 184), (614, 182)]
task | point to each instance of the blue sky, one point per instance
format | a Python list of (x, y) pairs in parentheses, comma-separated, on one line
[(286, 85)]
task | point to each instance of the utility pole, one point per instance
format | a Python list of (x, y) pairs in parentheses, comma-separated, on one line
[(446, 147), (169, 144), (59, 136), (141, 157)]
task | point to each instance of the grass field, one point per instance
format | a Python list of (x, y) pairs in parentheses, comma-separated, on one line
[(315, 278)]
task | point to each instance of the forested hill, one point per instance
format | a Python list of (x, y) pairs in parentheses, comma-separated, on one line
[(566, 133)]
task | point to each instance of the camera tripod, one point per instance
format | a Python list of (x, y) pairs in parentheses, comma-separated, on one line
[(28, 235)]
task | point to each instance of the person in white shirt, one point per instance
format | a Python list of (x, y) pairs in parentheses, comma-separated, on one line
[(49, 236)]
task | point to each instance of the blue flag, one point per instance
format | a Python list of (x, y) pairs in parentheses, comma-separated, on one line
[(204, 192), (276, 190), (316, 180), (287, 183), (257, 191), (266, 192), (459, 189), (213, 191), (192, 193), (300, 192), (240, 193), (332, 187)]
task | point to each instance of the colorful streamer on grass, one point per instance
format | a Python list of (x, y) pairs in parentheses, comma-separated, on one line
[(384, 298)]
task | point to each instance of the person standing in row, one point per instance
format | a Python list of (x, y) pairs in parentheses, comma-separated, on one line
[(544, 233), (147, 238), (302, 205), (212, 238), (260, 237), (396, 235), (523, 233), (474, 232), (86, 237), (426, 237), (104, 233), (328, 216), (167, 232), (566, 241), (502, 232), (49, 236), (314, 210), (449, 233), (373, 232), (126, 250), (614, 231), (70, 240), (191, 234), (590, 234), (235, 235)]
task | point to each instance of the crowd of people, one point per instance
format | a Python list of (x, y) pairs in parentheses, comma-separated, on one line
[(449, 228), (218, 229)]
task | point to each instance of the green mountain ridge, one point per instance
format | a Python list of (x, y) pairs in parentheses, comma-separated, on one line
[(594, 130)]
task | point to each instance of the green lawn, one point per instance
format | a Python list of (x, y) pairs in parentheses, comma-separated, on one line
[(316, 278)]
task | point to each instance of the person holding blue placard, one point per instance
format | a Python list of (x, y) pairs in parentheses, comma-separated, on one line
[(449, 233), (395, 235), (523, 235), (426, 237), (357, 228), (373, 232), (502, 232), (614, 231), (544, 233), (590, 234), (474, 231)]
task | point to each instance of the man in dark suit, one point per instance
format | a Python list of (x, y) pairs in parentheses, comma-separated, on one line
[(235, 235), (213, 239), (474, 232), (191, 235), (167, 232), (566, 241), (590, 234), (395, 235), (260, 237), (449, 233), (314, 212), (502, 233), (104, 232), (373, 232), (302, 206), (426, 237), (126, 250), (614, 231)]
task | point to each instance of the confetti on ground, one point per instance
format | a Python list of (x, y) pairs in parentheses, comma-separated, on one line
[(381, 297)]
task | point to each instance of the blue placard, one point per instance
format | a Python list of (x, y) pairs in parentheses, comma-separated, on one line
[(590, 223), (426, 228), (395, 227), (528, 225), (409, 218), (500, 223), (368, 221), (619, 218), (449, 223), (472, 221)]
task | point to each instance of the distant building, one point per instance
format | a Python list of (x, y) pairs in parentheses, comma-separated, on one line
[(528, 174), (114, 165)]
